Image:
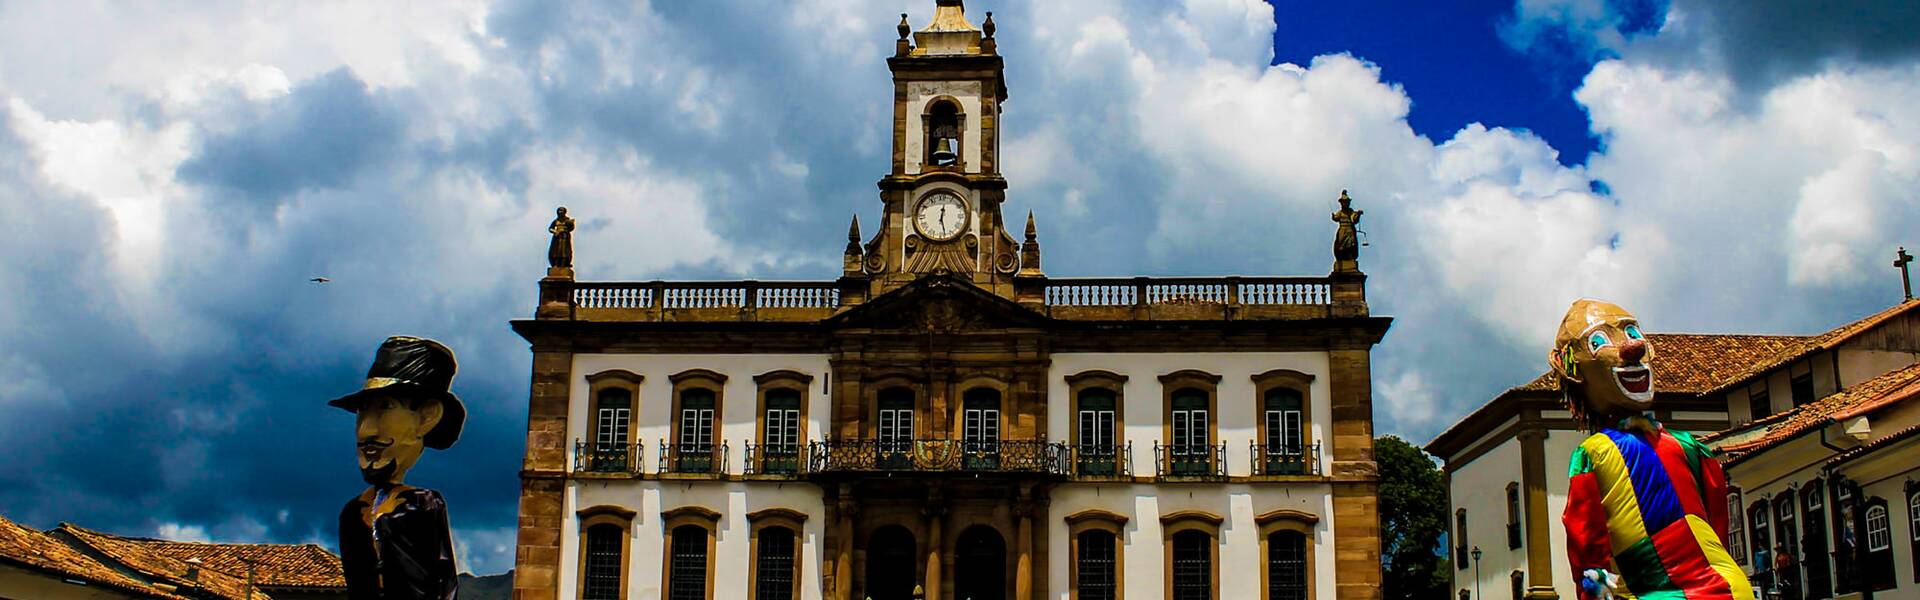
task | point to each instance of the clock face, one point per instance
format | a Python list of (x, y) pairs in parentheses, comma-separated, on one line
[(941, 216)]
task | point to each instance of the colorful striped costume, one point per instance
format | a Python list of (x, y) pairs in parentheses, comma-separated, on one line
[(1654, 510)]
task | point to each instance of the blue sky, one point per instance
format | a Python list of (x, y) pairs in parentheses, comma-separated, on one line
[(170, 177)]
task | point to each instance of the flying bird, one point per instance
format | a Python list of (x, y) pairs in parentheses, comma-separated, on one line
[(319, 280)]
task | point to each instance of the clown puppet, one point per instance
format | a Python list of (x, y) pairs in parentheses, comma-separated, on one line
[(1646, 512)]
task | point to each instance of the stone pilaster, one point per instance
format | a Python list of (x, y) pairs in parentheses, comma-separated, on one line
[(1533, 486), (1356, 497), (543, 479)]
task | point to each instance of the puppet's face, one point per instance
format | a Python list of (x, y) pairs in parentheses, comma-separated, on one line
[(391, 432), (1601, 351)]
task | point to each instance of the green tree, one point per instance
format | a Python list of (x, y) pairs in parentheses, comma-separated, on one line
[(1413, 516)]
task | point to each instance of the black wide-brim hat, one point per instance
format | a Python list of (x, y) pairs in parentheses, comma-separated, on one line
[(411, 367)]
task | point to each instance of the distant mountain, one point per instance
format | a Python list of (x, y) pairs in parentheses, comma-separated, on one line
[(486, 587)]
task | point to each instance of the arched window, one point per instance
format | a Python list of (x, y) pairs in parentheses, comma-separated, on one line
[(980, 428), (605, 559), (1097, 422), (1096, 573), (1736, 528), (1913, 526), (1757, 529), (1460, 538), (604, 551), (773, 567), (776, 553), (1813, 539), (694, 448), (944, 124), (1283, 419), (609, 447), (687, 573), (1786, 538), (1095, 552), (1879, 529), (1192, 566), (1513, 514), (783, 410), (1191, 554), (1518, 581), (1286, 565)]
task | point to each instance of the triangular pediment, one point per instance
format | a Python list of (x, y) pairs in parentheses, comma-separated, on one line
[(936, 302)]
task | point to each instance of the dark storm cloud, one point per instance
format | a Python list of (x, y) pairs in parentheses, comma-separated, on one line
[(317, 136), (1765, 41)]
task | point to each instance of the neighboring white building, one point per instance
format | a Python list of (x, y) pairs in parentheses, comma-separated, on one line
[(1506, 462), (944, 416)]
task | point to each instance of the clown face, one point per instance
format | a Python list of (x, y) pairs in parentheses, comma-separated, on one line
[(1601, 351)]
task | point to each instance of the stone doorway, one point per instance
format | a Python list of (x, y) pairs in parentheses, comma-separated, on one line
[(980, 565), (890, 564)]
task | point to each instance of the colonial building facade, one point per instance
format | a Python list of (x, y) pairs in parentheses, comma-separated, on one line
[(1815, 431), (944, 420)]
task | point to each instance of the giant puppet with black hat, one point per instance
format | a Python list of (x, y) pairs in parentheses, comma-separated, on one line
[(395, 543)]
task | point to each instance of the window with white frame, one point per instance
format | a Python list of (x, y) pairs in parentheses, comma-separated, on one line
[(1736, 529), (1879, 531)]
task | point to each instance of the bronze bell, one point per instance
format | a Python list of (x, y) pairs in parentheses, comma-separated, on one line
[(943, 152)]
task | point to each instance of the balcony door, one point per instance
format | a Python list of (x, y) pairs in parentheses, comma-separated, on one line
[(895, 431), (1096, 450), (1192, 448), (980, 428), (615, 412), (780, 451), (695, 451), (1285, 437)]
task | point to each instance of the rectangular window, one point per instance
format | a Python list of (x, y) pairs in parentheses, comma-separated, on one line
[(1758, 402), (1736, 529), (603, 562), (1095, 451)]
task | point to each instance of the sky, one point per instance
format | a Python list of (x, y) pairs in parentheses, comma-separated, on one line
[(172, 174)]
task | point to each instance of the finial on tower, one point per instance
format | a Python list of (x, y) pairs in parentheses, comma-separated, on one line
[(987, 26), (904, 28), (1900, 261), (1030, 251), (851, 262)]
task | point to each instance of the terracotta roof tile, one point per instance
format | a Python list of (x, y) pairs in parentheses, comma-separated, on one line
[(43, 552), (1816, 343), (156, 566), (1889, 388), (1692, 363), (273, 565)]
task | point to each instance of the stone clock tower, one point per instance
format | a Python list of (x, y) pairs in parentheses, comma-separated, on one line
[(943, 193)]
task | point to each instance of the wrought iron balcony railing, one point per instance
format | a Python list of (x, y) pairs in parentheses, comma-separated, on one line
[(694, 459), (1102, 460), (1190, 461), (776, 459), (1007, 456), (590, 457), (1289, 459)]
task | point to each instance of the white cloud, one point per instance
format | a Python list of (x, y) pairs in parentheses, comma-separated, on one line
[(181, 533)]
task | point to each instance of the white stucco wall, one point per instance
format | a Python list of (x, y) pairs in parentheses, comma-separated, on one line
[(1480, 487), (738, 418)]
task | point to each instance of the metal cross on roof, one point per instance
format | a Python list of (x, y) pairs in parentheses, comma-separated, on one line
[(1900, 260)]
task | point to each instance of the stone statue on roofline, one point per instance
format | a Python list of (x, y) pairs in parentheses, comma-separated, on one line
[(1646, 507), (395, 542)]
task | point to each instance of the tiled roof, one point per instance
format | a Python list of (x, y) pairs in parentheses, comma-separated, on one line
[(1809, 345), (155, 566), (1684, 364), (39, 551), (272, 565), (1889, 388), (1692, 363)]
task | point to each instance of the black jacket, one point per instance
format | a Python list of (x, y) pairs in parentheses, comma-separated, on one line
[(412, 558)]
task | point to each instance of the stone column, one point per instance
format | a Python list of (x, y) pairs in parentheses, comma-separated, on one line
[(843, 566), (1023, 565), (936, 514), (1355, 485), (543, 475)]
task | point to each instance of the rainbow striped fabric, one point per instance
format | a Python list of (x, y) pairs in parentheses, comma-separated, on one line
[(1652, 508)]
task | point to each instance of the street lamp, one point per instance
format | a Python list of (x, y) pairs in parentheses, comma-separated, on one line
[(1476, 571)]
